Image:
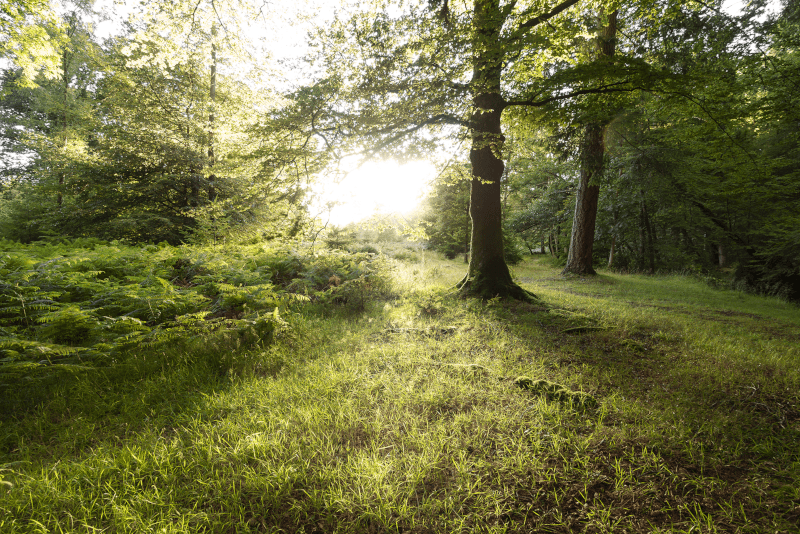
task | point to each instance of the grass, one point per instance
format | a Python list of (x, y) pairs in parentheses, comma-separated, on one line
[(408, 418)]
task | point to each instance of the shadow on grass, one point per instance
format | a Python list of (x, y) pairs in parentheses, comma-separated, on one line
[(58, 410), (727, 432)]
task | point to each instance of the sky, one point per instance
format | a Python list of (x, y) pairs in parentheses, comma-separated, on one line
[(377, 187)]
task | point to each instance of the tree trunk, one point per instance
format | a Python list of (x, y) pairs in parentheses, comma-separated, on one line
[(646, 233), (611, 253), (212, 94), (65, 63), (467, 228), (721, 253), (488, 274), (557, 241), (581, 244)]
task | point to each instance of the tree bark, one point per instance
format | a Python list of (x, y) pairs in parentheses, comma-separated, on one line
[(611, 253), (467, 228), (65, 64), (488, 275), (212, 94), (581, 245), (646, 234)]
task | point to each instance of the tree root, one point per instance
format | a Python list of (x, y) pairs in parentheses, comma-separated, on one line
[(485, 288)]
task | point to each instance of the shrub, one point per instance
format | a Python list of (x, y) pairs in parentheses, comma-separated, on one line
[(406, 256), (368, 249)]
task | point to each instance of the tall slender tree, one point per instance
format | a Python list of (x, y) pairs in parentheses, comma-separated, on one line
[(592, 155)]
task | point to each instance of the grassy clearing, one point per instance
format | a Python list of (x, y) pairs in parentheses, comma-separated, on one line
[(407, 417)]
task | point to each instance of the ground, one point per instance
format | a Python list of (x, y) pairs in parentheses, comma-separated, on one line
[(409, 417)]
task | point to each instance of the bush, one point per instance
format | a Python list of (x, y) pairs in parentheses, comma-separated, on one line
[(430, 303), (406, 256), (339, 238)]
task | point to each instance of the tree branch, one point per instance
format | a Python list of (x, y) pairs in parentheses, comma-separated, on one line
[(610, 88), (547, 16), (721, 128), (441, 118)]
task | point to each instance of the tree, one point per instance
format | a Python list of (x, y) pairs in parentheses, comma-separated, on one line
[(446, 217), (540, 186), (148, 141), (449, 70), (48, 122), (592, 154), (30, 37)]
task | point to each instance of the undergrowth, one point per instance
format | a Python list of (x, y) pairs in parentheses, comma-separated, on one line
[(68, 309)]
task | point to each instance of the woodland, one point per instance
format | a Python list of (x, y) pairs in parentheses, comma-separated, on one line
[(673, 124), (589, 324)]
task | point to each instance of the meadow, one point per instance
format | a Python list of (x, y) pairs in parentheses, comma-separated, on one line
[(163, 389)]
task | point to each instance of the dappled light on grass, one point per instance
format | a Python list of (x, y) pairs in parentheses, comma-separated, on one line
[(409, 414)]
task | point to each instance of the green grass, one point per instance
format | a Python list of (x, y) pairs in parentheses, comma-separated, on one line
[(407, 417)]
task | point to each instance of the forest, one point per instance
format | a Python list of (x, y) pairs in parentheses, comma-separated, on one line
[(589, 323), (674, 124)]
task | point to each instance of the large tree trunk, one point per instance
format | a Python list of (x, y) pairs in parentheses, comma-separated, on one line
[(581, 245), (467, 228), (488, 274)]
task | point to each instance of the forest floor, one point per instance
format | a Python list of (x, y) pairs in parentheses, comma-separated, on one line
[(409, 416)]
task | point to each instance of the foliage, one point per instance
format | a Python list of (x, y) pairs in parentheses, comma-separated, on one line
[(30, 37), (446, 219), (144, 140), (337, 238), (90, 304), (699, 176)]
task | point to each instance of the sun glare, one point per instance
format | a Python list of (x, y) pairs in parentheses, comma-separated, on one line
[(379, 187)]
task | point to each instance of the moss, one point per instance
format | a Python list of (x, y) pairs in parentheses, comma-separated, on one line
[(556, 392)]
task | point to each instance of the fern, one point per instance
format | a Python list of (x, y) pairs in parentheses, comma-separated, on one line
[(91, 304)]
